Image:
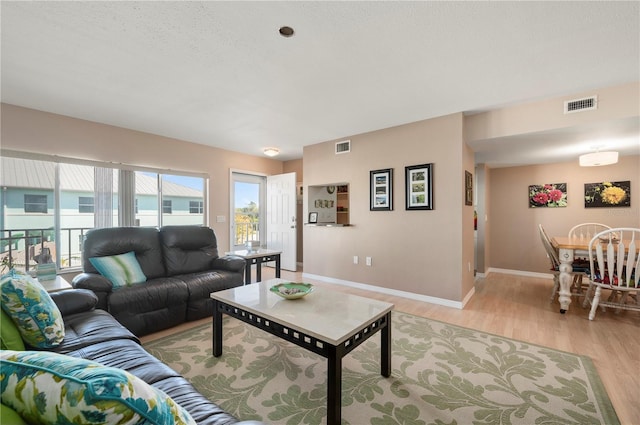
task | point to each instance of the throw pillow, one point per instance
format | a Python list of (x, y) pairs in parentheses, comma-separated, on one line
[(45, 387), (10, 416), (10, 338), (32, 310), (121, 270)]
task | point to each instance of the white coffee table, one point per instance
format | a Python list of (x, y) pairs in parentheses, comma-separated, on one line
[(327, 322)]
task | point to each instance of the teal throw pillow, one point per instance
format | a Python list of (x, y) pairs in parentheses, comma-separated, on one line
[(121, 270), (31, 308), (10, 338), (45, 387)]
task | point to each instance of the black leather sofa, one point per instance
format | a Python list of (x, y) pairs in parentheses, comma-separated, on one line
[(94, 334), (182, 267)]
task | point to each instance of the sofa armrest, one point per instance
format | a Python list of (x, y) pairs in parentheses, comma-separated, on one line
[(100, 285), (231, 263), (73, 301)]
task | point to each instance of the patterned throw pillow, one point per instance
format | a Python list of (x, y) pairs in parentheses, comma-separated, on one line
[(121, 270), (32, 310), (46, 387)]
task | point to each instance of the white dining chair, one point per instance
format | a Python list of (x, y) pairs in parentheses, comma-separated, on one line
[(585, 231), (578, 272), (614, 262)]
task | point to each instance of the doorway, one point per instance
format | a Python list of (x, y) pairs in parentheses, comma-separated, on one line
[(263, 209), (247, 209)]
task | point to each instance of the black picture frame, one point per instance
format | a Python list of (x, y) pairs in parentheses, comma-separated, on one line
[(419, 187), (381, 190), (468, 188), (313, 217)]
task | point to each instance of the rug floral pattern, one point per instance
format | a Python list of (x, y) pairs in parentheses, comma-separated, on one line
[(441, 375)]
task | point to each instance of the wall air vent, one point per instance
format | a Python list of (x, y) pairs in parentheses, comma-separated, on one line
[(579, 105), (343, 147)]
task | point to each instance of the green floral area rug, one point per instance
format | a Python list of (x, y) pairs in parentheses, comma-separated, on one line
[(441, 375)]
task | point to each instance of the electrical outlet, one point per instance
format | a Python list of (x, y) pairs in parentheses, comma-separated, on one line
[(355, 259), (220, 219), (368, 261)]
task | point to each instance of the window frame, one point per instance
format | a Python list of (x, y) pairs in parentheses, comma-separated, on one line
[(44, 204)]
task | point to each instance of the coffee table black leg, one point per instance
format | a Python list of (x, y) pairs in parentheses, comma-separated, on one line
[(385, 348), (334, 387), (217, 330), (278, 265), (258, 270)]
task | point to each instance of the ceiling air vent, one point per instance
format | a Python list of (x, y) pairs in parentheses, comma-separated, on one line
[(579, 105), (343, 147)]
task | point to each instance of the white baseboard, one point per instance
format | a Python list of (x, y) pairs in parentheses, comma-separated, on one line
[(395, 292), (520, 273)]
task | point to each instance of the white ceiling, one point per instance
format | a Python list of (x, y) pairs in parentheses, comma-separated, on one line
[(218, 73)]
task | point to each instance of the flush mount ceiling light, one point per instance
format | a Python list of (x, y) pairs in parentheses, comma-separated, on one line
[(598, 158), (286, 31), (271, 151)]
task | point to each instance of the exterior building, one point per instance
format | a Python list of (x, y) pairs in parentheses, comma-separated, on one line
[(28, 199)]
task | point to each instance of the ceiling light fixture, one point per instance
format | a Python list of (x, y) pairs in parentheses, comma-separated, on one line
[(598, 158), (286, 31), (271, 151)]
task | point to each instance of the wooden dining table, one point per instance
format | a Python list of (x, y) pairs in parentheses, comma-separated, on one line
[(568, 249)]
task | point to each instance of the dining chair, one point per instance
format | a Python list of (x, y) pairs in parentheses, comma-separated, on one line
[(579, 269), (614, 262), (585, 231)]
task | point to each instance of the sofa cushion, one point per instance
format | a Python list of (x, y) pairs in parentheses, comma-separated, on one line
[(188, 249), (144, 241), (121, 270), (89, 328), (49, 387), (32, 310), (10, 338), (158, 304)]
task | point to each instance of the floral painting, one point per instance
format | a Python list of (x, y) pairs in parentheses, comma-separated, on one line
[(548, 195), (607, 194)]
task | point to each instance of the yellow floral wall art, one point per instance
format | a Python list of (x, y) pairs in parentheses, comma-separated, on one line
[(607, 194)]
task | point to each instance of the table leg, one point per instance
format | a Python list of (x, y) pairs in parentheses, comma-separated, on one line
[(334, 387), (247, 273), (258, 270), (564, 297), (217, 330), (278, 265), (385, 348)]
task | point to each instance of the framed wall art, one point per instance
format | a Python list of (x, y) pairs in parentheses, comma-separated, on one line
[(550, 195), (607, 194), (419, 187), (381, 190), (468, 188)]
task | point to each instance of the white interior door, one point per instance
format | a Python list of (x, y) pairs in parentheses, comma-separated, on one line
[(282, 218)]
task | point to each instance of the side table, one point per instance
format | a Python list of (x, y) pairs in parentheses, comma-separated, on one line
[(257, 257), (55, 285)]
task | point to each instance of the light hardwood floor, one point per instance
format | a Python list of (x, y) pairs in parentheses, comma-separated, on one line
[(518, 307)]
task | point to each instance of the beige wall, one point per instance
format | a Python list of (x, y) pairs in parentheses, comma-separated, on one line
[(34, 131), (422, 252), (514, 242), (613, 103)]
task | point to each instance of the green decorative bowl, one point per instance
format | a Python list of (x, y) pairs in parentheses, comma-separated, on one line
[(292, 290)]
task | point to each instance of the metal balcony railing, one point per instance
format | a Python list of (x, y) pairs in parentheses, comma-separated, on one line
[(246, 232), (25, 248)]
